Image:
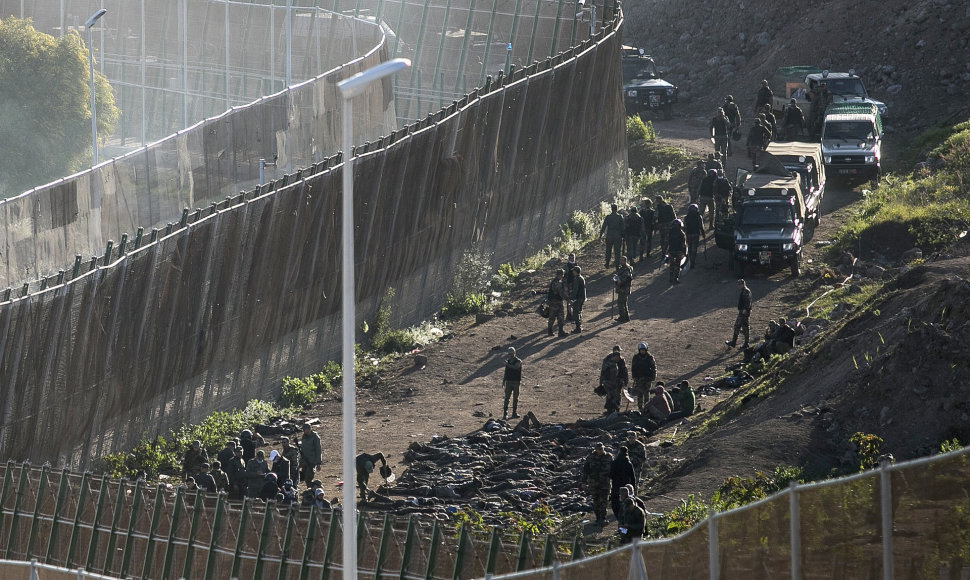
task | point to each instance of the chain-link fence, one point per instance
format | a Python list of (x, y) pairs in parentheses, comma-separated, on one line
[(214, 309)]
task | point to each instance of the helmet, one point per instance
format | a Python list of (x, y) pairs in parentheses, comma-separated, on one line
[(369, 466), (712, 172), (246, 434), (678, 223), (643, 346), (692, 208), (729, 99), (270, 475), (793, 100)]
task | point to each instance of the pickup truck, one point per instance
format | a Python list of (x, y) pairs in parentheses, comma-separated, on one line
[(852, 140), (788, 83), (770, 215), (805, 160), (845, 87)]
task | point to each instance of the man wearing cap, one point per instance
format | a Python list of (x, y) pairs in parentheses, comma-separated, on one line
[(365, 463), (643, 367), (292, 454), (613, 377), (596, 476), (665, 217), (764, 96), (649, 217), (204, 480), (578, 297), (794, 120), (631, 519), (193, 459), (281, 466), (510, 381), (632, 232), (219, 476), (555, 296), (311, 454), (227, 452)]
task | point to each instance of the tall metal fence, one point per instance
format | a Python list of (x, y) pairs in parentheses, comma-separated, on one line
[(165, 327), (910, 520)]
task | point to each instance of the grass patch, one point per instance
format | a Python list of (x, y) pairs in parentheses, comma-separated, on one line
[(827, 299)]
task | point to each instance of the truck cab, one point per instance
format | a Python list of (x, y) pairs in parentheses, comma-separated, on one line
[(845, 87), (643, 86), (767, 226), (852, 140)]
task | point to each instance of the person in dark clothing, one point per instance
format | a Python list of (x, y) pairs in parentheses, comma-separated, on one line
[(613, 377), (227, 452), (555, 296), (621, 474), (632, 517), (633, 231), (732, 112), (755, 142), (720, 128), (649, 217), (204, 480), (365, 463), (693, 230), (510, 381), (665, 217), (706, 195), (643, 367), (686, 401), (770, 122), (793, 121), (281, 466), (578, 297), (270, 488), (722, 199), (764, 96), (236, 472), (694, 179), (677, 246), (613, 229), (713, 163), (623, 281), (744, 313), (289, 493), (567, 284)]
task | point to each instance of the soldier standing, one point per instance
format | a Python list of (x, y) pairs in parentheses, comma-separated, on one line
[(292, 453), (236, 472), (732, 112), (638, 453), (621, 474), (193, 459), (568, 282), (744, 313), (596, 473), (693, 229), (697, 175), (623, 279), (633, 231), (613, 377), (649, 223), (706, 194), (793, 121), (554, 298), (722, 199), (613, 228), (644, 371), (677, 246), (665, 217), (510, 381), (311, 454), (720, 128), (764, 96), (578, 297), (755, 142)]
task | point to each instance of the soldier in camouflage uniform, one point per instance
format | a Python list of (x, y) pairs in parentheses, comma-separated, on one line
[(596, 472), (637, 452)]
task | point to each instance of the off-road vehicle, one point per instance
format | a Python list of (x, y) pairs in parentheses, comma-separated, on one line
[(643, 87)]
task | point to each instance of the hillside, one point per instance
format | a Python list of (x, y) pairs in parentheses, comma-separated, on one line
[(910, 54)]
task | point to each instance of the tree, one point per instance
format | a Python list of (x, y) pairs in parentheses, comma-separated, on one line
[(45, 109)]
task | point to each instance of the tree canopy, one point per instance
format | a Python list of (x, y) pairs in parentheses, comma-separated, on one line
[(45, 111)]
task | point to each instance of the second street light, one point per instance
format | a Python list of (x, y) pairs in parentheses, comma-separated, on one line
[(350, 88), (94, 112)]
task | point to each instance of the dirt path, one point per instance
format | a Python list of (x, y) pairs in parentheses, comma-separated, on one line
[(685, 326)]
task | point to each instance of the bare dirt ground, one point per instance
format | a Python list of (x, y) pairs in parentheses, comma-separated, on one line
[(686, 326)]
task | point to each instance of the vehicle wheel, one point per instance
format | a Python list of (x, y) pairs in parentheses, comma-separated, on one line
[(794, 267), (876, 177), (668, 112)]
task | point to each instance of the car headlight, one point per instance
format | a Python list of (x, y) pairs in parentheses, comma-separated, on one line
[(870, 158), (632, 93), (827, 159), (670, 92), (786, 247), (741, 247)]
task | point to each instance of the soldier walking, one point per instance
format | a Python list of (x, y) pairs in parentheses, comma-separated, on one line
[(638, 454), (665, 217), (643, 367), (744, 313), (554, 298), (677, 246), (596, 474), (623, 279), (694, 230), (649, 223), (694, 180), (578, 297), (633, 231), (510, 381), (613, 229), (613, 377)]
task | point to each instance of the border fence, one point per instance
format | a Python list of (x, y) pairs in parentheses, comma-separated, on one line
[(909, 520), (165, 326)]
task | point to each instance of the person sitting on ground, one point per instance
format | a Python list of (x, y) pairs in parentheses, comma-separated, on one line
[(658, 408), (319, 501), (686, 401), (306, 499), (289, 493), (365, 465), (784, 337)]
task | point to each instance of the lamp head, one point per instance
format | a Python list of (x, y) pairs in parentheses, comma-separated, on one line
[(94, 18)]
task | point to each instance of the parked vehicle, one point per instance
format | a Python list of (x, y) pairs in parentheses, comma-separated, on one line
[(852, 140), (805, 159), (643, 86), (789, 82), (844, 87)]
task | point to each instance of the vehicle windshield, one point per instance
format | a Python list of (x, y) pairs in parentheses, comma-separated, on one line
[(849, 130), (639, 68), (767, 215), (851, 86)]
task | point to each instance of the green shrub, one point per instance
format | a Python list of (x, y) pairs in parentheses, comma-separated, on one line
[(297, 392), (867, 449), (950, 445), (680, 519), (461, 305), (637, 130)]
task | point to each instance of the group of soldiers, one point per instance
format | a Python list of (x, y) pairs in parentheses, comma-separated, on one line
[(565, 297), (663, 406), (612, 481)]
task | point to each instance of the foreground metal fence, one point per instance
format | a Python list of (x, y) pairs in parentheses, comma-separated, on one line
[(910, 520)]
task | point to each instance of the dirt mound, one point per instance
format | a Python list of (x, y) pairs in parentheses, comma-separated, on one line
[(911, 55)]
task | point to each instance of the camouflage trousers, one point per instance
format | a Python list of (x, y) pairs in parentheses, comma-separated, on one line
[(600, 494)]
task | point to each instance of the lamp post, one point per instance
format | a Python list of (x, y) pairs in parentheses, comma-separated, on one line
[(94, 112), (350, 88)]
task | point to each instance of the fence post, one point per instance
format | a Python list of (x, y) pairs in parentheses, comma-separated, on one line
[(494, 544), (198, 506), (138, 236), (331, 544), (886, 501), (210, 562), (382, 550), (460, 556), (795, 531), (173, 529), (577, 547), (555, 569), (152, 529), (523, 551), (311, 533), (107, 252), (712, 557), (240, 539), (263, 538), (185, 218), (132, 521), (115, 520), (76, 528), (32, 534), (549, 550), (638, 570), (287, 541), (93, 544), (433, 551), (122, 245), (56, 520), (408, 546), (77, 266)]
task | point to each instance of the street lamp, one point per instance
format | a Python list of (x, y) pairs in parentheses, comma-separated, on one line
[(350, 88), (94, 113)]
